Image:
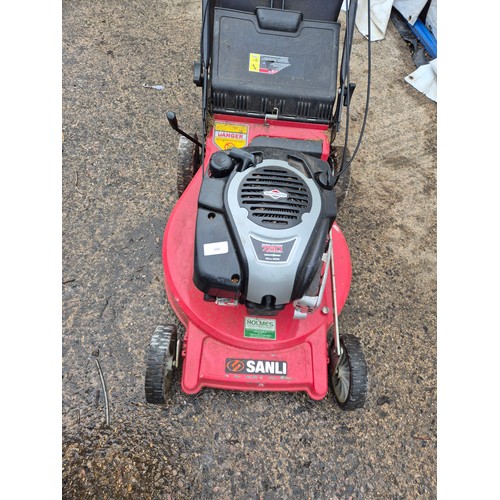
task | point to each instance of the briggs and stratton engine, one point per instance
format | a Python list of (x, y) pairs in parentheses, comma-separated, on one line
[(262, 228)]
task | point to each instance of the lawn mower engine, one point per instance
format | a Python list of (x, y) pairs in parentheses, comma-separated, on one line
[(264, 215)]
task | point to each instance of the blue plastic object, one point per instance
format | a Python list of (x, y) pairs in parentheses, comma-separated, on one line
[(426, 37)]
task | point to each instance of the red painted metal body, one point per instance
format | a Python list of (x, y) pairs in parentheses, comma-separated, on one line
[(215, 333)]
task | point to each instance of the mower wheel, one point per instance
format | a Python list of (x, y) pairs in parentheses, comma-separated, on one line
[(160, 364), (188, 162), (344, 181), (349, 374)]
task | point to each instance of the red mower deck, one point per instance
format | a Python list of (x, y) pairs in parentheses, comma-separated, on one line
[(215, 350)]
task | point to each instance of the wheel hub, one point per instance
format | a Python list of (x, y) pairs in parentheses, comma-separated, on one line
[(342, 379)]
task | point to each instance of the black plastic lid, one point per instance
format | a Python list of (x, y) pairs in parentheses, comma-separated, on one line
[(220, 164)]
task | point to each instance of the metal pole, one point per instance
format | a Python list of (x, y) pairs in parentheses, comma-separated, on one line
[(338, 347)]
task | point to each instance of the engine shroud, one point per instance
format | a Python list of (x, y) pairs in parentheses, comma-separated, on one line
[(262, 229)]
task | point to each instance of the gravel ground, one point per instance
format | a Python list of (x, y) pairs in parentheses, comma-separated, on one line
[(118, 190)]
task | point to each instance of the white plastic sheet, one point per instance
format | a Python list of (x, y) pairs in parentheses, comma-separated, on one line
[(424, 79), (431, 19), (380, 14), (410, 9)]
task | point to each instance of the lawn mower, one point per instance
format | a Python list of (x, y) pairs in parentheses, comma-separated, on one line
[(256, 268)]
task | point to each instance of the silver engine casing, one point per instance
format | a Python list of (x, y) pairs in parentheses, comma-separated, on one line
[(274, 208)]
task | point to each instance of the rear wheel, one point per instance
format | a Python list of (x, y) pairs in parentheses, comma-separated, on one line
[(344, 181), (188, 162), (349, 374), (160, 364)]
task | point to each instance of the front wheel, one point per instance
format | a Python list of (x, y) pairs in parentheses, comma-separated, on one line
[(160, 364), (349, 374)]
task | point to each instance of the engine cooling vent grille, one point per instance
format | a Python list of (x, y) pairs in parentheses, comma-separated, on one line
[(275, 197)]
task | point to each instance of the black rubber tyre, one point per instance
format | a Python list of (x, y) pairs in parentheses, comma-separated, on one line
[(159, 368), (349, 374), (344, 181), (188, 162)]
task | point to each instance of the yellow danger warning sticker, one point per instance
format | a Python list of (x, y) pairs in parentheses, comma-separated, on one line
[(229, 135)]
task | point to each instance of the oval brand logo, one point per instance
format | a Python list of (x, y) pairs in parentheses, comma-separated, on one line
[(275, 194), (235, 365)]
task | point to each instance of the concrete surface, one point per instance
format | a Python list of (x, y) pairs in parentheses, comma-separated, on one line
[(118, 190)]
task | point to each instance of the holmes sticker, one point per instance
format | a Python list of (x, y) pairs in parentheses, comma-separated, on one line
[(260, 328)]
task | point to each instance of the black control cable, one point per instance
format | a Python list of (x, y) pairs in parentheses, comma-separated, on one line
[(345, 164), (204, 64)]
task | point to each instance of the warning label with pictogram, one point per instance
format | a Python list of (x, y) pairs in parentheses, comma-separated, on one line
[(229, 135), (262, 63)]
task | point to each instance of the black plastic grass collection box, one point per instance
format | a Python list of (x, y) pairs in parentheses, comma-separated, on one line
[(256, 70)]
